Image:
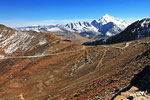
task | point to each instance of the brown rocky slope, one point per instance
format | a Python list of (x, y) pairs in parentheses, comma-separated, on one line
[(62, 70)]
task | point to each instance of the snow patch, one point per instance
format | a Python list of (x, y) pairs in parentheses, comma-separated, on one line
[(109, 34), (1, 56), (12, 48), (55, 29), (1, 35), (42, 42), (19, 40)]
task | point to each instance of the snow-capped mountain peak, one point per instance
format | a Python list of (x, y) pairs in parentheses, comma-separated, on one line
[(107, 19)]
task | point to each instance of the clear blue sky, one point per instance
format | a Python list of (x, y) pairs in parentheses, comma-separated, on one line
[(33, 12)]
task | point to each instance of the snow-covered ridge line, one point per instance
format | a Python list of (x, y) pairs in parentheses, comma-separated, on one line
[(105, 27)]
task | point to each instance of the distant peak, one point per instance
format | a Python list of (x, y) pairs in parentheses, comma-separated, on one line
[(107, 16), (107, 19)]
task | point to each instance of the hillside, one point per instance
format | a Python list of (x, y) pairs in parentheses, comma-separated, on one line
[(62, 70), (137, 30), (76, 38)]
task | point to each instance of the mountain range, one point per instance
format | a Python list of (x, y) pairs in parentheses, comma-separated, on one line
[(136, 30), (105, 27)]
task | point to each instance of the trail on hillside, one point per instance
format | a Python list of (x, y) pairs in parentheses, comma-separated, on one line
[(101, 60), (83, 48), (127, 44), (44, 55)]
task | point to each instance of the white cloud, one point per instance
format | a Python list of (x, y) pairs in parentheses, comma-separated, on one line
[(132, 19), (21, 23)]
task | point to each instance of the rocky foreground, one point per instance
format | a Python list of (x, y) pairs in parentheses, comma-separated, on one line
[(133, 94)]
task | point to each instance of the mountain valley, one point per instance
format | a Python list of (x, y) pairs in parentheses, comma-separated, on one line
[(50, 68)]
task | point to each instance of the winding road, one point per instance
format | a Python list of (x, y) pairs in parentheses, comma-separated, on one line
[(83, 48), (44, 55)]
